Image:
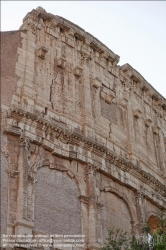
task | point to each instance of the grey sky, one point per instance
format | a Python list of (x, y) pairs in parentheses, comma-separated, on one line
[(135, 30)]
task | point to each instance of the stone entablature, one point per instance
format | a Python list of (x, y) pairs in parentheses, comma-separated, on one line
[(110, 163)]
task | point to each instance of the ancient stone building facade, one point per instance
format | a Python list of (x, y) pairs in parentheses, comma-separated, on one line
[(83, 139)]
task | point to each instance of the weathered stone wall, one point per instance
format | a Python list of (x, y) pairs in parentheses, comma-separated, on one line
[(85, 138)]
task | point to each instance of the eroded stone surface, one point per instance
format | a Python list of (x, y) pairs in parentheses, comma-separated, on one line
[(71, 114)]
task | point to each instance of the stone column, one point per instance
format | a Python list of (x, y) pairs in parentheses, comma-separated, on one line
[(22, 224), (88, 119), (84, 217), (91, 184), (140, 208), (99, 222)]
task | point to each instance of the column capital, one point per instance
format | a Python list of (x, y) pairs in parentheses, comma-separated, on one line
[(24, 140), (91, 169)]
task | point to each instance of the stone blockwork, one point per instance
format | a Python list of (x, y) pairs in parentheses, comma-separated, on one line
[(83, 139)]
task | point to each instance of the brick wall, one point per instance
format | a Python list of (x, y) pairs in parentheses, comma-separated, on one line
[(114, 214), (57, 207), (10, 41)]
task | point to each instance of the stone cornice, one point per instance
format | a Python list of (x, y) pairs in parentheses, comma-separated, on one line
[(68, 137), (128, 71), (57, 24)]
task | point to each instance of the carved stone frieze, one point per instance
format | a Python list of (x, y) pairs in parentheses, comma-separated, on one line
[(126, 166)]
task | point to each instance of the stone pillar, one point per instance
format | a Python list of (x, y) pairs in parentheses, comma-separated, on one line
[(99, 222), (91, 184), (84, 217), (140, 208), (87, 103), (22, 224)]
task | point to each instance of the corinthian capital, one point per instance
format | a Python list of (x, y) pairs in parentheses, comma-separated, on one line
[(24, 140), (91, 169)]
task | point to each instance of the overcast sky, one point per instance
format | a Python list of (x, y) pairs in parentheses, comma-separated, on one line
[(135, 30)]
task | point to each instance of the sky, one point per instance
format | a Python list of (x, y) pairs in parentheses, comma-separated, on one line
[(135, 30)]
